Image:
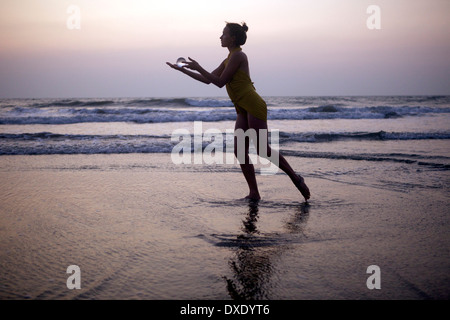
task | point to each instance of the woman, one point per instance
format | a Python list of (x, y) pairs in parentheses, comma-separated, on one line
[(250, 107)]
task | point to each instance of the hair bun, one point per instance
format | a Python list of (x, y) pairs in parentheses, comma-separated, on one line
[(239, 31)]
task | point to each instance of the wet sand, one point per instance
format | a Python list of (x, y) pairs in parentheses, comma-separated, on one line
[(140, 227)]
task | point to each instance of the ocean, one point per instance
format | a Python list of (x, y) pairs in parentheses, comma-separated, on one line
[(90, 182), (92, 126), (410, 130)]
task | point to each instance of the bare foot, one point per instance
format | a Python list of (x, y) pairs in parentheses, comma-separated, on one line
[(302, 187), (253, 197)]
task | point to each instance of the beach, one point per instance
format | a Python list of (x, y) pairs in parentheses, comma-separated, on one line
[(141, 228), (108, 198)]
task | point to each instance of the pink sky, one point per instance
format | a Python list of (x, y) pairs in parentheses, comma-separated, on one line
[(320, 47)]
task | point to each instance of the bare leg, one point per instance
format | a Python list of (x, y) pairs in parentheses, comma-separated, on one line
[(299, 182), (247, 167)]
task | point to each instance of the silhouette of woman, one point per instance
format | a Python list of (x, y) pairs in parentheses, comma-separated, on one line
[(250, 107)]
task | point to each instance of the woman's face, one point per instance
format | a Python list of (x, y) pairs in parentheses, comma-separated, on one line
[(227, 40)]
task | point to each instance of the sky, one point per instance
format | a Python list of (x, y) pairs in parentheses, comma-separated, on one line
[(118, 48)]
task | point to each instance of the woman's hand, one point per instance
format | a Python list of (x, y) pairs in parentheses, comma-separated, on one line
[(175, 66), (192, 64), (201, 75)]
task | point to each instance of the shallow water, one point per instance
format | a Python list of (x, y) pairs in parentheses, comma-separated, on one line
[(91, 182), (140, 227)]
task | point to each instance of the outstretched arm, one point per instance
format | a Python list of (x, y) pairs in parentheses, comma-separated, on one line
[(191, 74), (197, 76), (222, 75)]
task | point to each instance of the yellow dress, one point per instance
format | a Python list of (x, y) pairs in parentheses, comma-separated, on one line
[(243, 94)]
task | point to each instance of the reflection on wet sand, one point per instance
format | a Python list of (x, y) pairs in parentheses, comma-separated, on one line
[(253, 263)]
